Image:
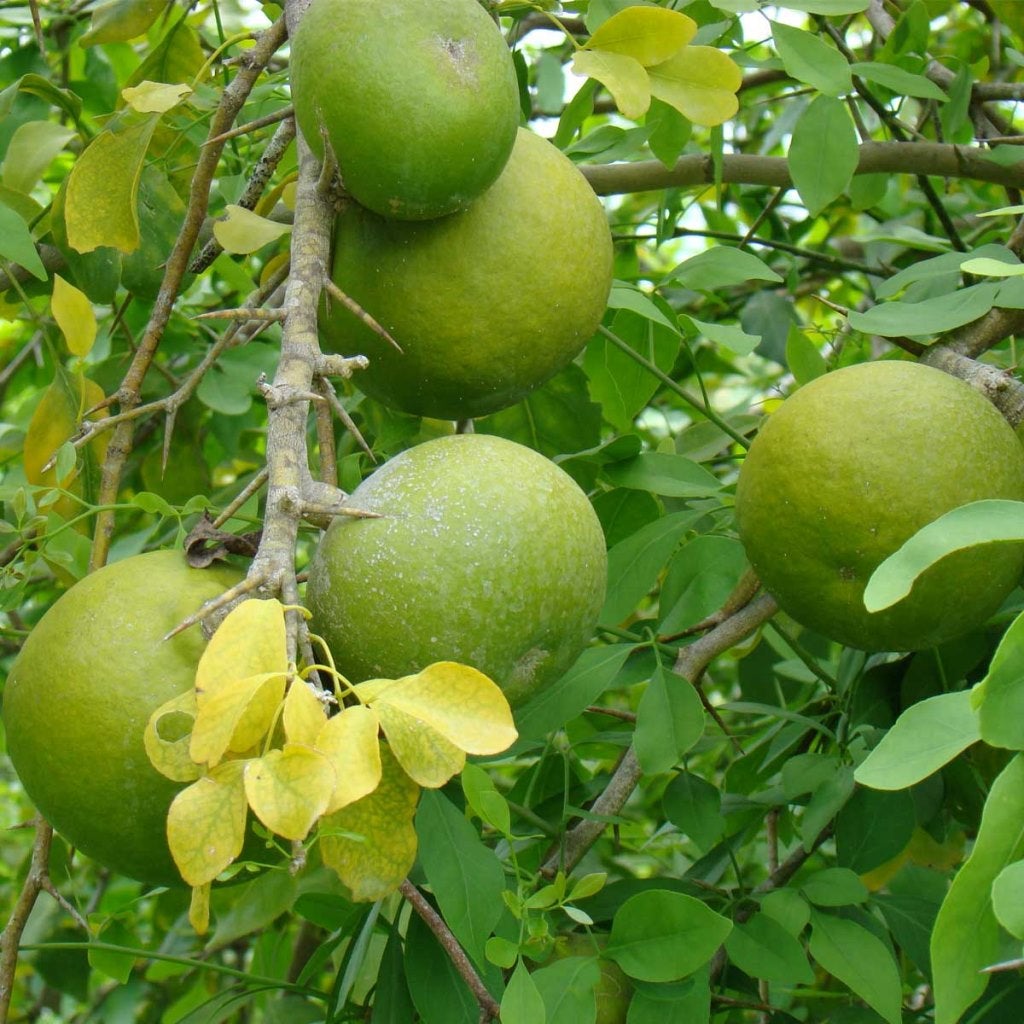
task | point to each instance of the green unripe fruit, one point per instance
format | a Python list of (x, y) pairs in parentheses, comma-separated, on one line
[(614, 990), (486, 553), (80, 693), (419, 101), (851, 466), (486, 304)]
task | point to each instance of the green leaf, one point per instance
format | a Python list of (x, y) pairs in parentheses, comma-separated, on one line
[(484, 799), (522, 1003), (721, 267), (1008, 898), (729, 336), (623, 296), (694, 806), (989, 521), (669, 721), (245, 908), (439, 993), (17, 244), (825, 803), (855, 957), (703, 573), (811, 60), (823, 153), (392, 1003), (904, 83), (985, 265), (660, 935), (834, 887), (762, 948), (966, 936), (802, 357), (635, 563), (700, 82), (101, 207), (591, 674), (931, 316), (925, 737), (33, 146), (998, 697), (464, 874), (663, 473), (117, 21), (567, 988), (648, 34), (623, 76), (873, 827)]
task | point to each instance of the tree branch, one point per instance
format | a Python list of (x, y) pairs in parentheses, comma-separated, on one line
[(489, 1009), (930, 158), (690, 664)]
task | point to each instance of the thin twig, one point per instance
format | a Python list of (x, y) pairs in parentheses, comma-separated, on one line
[(489, 1009)]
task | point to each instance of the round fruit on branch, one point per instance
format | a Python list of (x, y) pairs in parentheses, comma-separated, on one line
[(851, 466), (81, 691), (486, 553), (419, 101), (486, 304)]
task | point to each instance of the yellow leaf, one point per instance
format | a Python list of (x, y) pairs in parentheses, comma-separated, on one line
[(349, 741), (289, 789), (75, 316), (623, 76), (250, 641), (206, 824), (167, 737), (647, 34), (427, 757), (56, 418), (304, 716), (154, 97), (236, 717), (101, 207), (466, 707), (199, 909), (375, 864), (244, 231), (700, 82)]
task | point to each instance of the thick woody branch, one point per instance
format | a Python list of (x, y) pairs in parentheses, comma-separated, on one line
[(690, 664), (232, 100), (930, 158)]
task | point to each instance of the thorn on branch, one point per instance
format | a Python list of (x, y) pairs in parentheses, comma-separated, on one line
[(217, 604), (279, 395), (252, 315), (356, 310), (324, 388)]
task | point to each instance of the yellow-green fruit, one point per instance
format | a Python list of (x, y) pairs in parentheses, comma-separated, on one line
[(80, 693), (419, 100), (486, 304), (852, 465), (486, 553), (614, 990)]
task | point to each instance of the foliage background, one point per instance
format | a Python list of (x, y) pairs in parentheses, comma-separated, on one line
[(825, 224)]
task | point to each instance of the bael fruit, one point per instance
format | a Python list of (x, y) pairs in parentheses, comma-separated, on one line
[(852, 465), (80, 693), (418, 100), (486, 553), (486, 304)]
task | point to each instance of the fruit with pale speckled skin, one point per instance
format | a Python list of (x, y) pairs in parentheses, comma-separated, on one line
[(81, 691), (851, 466), (486, 553)]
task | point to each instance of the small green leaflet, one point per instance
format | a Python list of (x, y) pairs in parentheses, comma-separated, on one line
[(931, 316), (721, 267), (899, 81), (809, 59), (925, 737), (670, 720), (989, 521), (823, 153), (998, 697)]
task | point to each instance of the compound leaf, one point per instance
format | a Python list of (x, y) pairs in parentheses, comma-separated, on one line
[(649, 35), (249, 642), (623, 76), (349, 742), (289, 789), (700, 82), (206, 824), (167, 736), (373, 844)]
